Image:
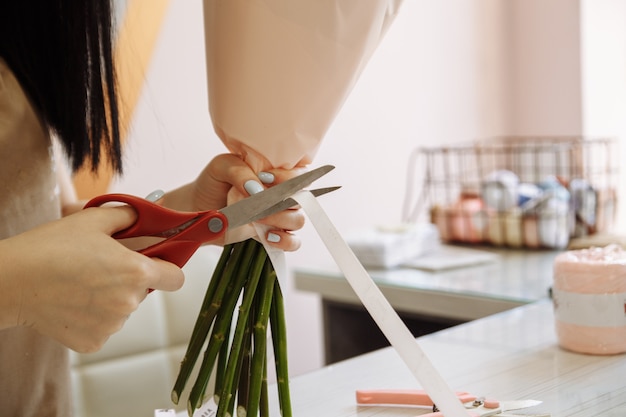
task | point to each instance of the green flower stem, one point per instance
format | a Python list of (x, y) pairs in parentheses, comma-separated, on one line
[(264, 299), (220, 369), (244, 275), (244, 309), (226, 266), (222, 323), (230, 406), (209, 296), (264, 403), (279, 340), (244, 374)]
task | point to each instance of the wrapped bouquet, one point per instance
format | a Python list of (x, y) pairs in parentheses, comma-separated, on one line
[(278, 73)]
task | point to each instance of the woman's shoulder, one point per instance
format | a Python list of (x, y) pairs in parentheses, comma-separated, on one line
[(25, 159), (13, 100)]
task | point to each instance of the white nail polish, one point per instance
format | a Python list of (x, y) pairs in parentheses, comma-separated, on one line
[(266, 177), (253, 187), (155, 196), (273, 237)]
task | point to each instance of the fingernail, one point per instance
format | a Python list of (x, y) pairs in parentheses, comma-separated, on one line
[(273, 237), (155, 196), (266, 177), (253, 187)]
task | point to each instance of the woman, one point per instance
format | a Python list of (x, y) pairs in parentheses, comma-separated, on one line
[(64, 282)]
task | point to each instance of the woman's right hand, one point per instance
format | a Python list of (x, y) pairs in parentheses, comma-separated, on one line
[(70, 280)]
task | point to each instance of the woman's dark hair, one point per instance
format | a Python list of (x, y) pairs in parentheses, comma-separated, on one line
[(60, 51)]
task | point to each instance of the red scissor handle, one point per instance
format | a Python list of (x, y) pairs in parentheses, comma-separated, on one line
[(196, 228), (152, 219)]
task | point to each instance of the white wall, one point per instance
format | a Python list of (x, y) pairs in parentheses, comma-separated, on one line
[(415, 92), (603, 57), (544, 67), (447, 71)]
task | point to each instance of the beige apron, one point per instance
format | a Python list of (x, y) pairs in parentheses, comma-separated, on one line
[(34, 370)]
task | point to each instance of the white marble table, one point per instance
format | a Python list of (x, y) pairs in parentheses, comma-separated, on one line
[(426, 300), (508, 356), (516, 278)]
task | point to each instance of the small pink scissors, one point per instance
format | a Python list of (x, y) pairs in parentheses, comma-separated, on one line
[(476, 406), (185, 232)]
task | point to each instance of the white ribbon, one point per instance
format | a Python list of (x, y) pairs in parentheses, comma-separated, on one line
[(277, 256), (381, 311)]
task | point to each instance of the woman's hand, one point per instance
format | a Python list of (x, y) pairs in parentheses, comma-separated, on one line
[(71, 281), (227, 179)]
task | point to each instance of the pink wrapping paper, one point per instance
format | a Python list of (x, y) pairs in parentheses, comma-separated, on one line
[(279, 71)]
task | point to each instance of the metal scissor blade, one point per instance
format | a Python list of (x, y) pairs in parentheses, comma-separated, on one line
[(247, 210), (290, 202), (503, 407)]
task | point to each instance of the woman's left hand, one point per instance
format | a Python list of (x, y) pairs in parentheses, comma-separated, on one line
[(227, 179)]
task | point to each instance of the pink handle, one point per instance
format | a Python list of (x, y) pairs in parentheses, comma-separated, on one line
[(403, 397)]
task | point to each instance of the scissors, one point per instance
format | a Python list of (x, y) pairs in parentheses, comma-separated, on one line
[(185, 232), (476, 406)]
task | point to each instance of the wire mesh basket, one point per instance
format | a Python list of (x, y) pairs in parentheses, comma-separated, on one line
[(534, 192)]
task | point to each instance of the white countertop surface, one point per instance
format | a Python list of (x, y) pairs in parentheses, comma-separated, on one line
[(515, 278), (508, 356), (512, 355)]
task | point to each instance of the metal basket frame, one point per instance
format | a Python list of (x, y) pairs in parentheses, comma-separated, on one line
[(450, 171)]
